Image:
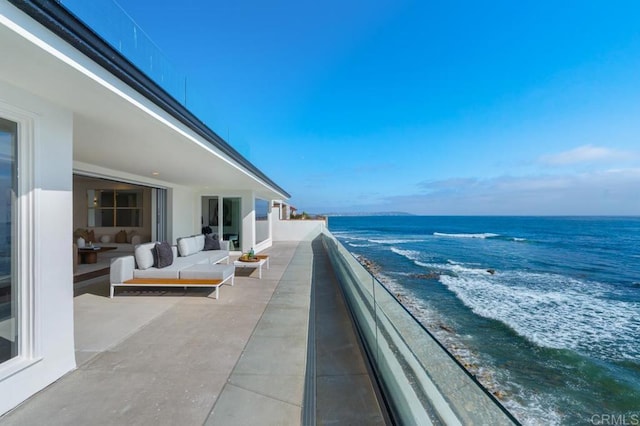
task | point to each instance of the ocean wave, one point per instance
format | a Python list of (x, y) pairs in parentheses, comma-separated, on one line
[(358, 245), (480, 236), (349, 237), (392, 241), (552, 311), (417, 258), (409, 254), (533, 409), (528, 407)]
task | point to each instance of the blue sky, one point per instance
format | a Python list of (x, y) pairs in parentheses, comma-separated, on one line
[(450, 107)]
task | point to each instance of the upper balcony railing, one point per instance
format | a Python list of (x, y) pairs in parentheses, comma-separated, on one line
[(112, 23)]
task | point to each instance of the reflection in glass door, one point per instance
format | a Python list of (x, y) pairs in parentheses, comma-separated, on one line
[(160, 220), (232, 222), (8, 285)]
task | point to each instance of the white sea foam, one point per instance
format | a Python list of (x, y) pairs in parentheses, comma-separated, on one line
[(519, 239), (358, 245), (409, 254), (481, 236), (414, 256), (530, 408), (392, 241), (552, 310)]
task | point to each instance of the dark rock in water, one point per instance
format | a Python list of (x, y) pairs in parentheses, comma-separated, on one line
[(491, 271), (445, 328), (499, 394)]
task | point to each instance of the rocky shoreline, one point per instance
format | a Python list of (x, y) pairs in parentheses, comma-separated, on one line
[(445, 333)]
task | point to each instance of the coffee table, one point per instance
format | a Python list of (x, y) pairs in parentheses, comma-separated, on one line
[(257, 262), (90, 254)]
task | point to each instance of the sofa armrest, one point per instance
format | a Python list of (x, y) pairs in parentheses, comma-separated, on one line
[(122, 269), (224, 245)]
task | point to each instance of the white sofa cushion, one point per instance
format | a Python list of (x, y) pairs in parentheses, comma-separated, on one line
[(144, 255), (217, 255), (207, 272), (200, 241), (184, 246), (189, 245), (122, 269), (172, 271)]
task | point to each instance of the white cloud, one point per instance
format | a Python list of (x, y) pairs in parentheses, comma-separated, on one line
[(453, 184), (583, 154), (610, 192)]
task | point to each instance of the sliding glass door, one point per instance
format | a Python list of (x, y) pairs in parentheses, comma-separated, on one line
[(223, 216), (8, 260), (159, 199), (232, 222)]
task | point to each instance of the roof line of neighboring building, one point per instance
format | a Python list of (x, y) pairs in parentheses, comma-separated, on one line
[(65, 25)]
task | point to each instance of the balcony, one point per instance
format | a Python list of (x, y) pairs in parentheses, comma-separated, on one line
[(281, 350), (180, 357)]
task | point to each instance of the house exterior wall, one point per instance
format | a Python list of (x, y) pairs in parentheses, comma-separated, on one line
[(248, 221), (296, 230), (48, 280), (263, 227), (184, 213)]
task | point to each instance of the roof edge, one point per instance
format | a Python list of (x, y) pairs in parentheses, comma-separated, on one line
[(56, 18)]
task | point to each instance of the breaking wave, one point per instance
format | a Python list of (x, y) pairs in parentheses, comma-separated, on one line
[(552, 311), (481, 236)]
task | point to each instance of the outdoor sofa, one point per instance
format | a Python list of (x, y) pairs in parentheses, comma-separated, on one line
[(192, 264)]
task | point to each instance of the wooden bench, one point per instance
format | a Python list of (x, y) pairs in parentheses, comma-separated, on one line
[(170, 282)]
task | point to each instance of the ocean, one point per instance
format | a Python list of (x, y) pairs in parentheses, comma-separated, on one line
[(545, 311)]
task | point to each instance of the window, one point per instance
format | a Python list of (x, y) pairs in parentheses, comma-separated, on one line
[(8, 283), (109, 207), (262, 220), (262, 209)]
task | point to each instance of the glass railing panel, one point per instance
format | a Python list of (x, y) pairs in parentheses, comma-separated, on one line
[(358, 289), (421, 380), (398, 370), (443, 382)]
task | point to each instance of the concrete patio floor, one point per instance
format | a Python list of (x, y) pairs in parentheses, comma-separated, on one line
[(151, 357)]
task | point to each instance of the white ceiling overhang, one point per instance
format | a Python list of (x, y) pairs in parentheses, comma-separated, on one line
[(115, 127)]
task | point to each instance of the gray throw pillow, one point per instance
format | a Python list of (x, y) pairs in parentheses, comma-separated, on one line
[(163, 255), (211, 243)]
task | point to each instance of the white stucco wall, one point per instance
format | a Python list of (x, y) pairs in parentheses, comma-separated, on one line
[(184, 213), (296, 230), (262, 231), (248, 221), (49, 247)]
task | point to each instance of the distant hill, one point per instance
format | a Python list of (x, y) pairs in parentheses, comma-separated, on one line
[(369, 214)]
